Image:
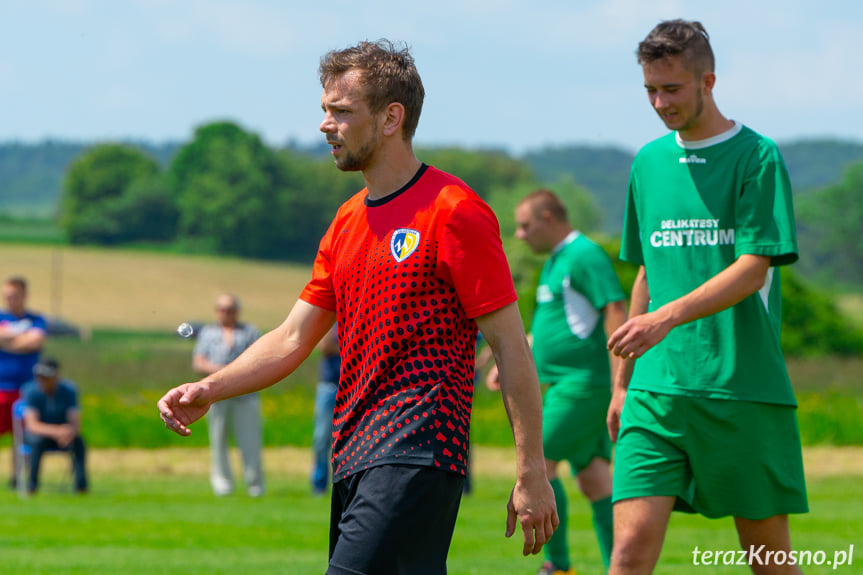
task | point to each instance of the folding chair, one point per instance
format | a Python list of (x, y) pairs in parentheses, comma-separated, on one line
[(22, 451)]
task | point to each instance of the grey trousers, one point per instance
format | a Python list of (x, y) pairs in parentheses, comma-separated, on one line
[(243, 416)]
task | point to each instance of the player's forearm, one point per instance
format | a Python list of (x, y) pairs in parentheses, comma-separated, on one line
[(729, 287), (639, 302), (614, 315), (622, 375), (269, 360), (523, 402), (274, 356), (519, 386)]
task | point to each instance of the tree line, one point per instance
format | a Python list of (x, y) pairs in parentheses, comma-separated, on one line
[(223, 192), (226, 192)]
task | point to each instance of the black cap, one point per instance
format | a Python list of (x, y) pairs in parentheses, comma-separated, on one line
[(47, 367)]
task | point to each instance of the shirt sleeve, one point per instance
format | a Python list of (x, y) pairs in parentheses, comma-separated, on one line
[(254, 334), (764, 213), (593, 275), (630, 243), (319, 291), (202, 342), (472, 259), (30, 395), (39, 323), (73, 397)]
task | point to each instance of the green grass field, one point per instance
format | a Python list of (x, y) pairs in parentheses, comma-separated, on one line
[(152, 512)]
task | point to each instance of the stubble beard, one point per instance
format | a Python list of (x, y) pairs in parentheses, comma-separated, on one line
[(359, 161), (693, 121)]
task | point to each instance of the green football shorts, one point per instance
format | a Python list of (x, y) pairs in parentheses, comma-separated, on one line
[(718, 457), (573, 426)]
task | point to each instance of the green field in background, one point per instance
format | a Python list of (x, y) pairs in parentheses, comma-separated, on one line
[(121, 375), (172, 524)]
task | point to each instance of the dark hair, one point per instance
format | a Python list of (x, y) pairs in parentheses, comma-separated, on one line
[(388, 75), (47, 367), (546, 200), (17, 281), (678, 38)]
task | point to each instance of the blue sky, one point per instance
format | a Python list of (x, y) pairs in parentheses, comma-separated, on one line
[(497, 73)]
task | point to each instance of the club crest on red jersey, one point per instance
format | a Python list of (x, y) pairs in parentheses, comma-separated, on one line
[(403, 243)]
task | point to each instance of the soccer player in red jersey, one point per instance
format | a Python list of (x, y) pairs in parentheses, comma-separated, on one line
[(412, 266)]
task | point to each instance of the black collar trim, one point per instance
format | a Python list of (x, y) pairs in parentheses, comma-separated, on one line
[(397, 193)]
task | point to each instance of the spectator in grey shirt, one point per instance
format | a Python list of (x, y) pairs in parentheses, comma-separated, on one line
[(217, 345)]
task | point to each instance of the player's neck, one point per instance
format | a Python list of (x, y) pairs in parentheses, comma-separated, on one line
[(393, 167), (710, 124), (559, 234)]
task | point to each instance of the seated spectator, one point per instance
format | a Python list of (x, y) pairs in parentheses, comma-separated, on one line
[(52, 420)]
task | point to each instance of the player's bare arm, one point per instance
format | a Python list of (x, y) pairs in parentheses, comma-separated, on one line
[(613, 316), (622, 368), (269, 360), (492, 378), (532, 500), (727, 288)]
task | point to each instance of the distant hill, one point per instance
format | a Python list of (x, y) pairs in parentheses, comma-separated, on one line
[(31, 175), (812, 164), (603, 171)]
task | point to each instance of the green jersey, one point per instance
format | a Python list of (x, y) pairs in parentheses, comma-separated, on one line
[(693, 208), (569, 343)]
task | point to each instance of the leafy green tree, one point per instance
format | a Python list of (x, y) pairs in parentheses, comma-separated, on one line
[(811, 322), (604, 171), (831, 222), (227, 184), (525, 266), (315, 190), (483, 171), (93, 194), (147, 211)]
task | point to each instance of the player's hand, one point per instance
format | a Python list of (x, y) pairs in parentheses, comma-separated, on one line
[(615, 408), (492, 379), (184, 405), (639, 334), (532, 504)]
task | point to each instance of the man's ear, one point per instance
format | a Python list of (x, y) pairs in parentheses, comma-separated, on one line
[(708, 82), (394, 116)]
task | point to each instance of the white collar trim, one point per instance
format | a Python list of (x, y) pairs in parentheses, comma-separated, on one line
[(570, 237), (718, 139)]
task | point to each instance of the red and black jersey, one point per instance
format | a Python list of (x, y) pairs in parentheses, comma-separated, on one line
[(407, 275)]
